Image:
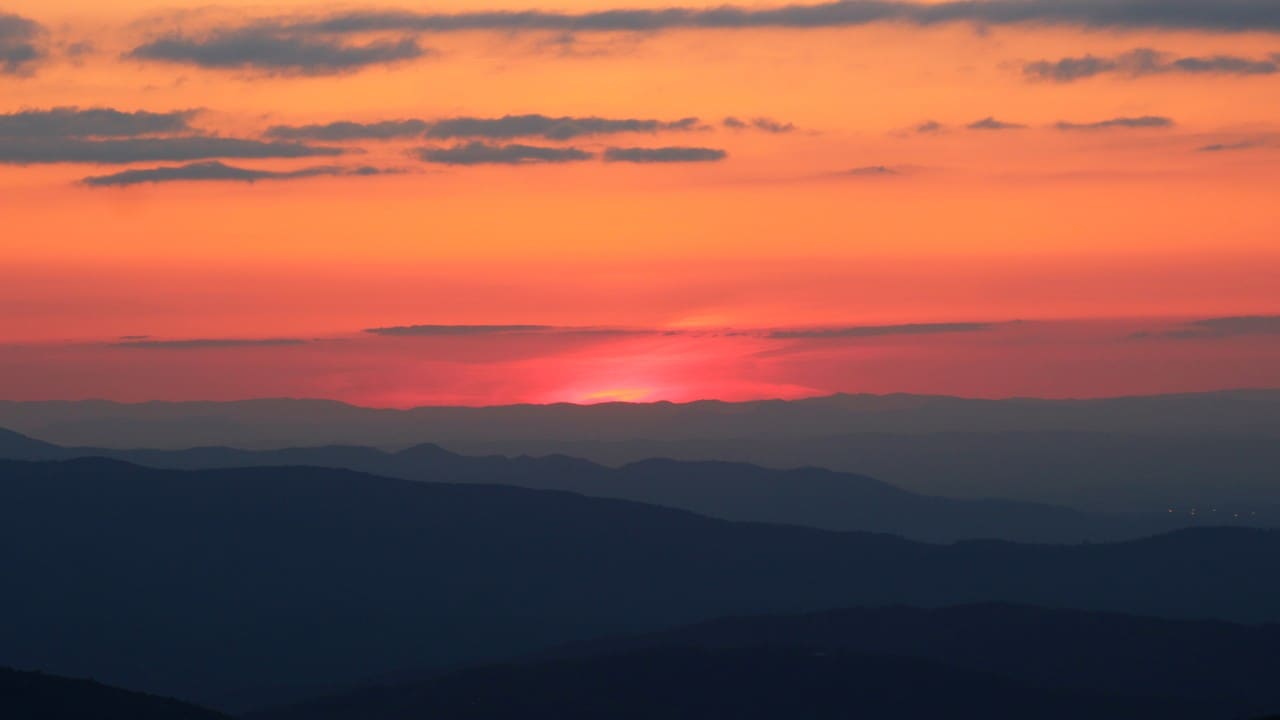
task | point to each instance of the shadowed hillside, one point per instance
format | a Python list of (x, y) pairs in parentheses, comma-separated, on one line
[(37, 696), (207, 585), (764, 683), (733, 491)]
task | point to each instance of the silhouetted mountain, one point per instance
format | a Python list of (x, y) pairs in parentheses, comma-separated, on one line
[(37, 696), (732, 491), (16, 446), (764, 683), (1231, 665), (1135, 454), (206, 584), (1232, 473), (272, 423)]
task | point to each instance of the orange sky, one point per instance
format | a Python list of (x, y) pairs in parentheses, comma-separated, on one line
[(851, 218)]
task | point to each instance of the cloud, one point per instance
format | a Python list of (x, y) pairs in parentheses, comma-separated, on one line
[(1146, 121), (1217, 16), (929, 126), (871, 171), (663, 154), (862, 331), (208, 343), (1222, 327), (75, 150), (765, 124), (990, 123), (552, 128), (457, 330), (72, 122), (1143, 62), (1231, 146), (479, 153), (19, 48), (270, 52), (339, 131), (218, 171)]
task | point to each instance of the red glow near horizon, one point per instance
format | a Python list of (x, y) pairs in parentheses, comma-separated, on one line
[(1049, 359)]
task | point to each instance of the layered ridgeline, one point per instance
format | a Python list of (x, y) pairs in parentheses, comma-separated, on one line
[(987, 661), (733, 491), (234, 588), (37, 696), (1147, 454)]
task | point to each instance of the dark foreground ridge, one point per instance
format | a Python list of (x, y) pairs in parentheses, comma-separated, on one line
[(238, 588), (37, 696), (1231, 666), (753, 683)]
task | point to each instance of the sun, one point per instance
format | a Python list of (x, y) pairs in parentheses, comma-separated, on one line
[(617, 394)]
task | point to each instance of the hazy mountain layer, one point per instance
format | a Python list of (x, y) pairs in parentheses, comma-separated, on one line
[(286, 581)]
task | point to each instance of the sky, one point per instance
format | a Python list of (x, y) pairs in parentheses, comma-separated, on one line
[(486, 203)]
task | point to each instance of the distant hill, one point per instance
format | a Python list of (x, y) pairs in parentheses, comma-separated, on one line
[(1204, 451), (744, 683), (292, 581), (733, 491), (37, 696), (273, 423), (1216, 473)]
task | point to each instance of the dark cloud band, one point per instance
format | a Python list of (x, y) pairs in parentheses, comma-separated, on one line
[(990, 123), (507, 127), (862, 331), (74, 150), (480, 153), (254, 49), (663, 154), (1217, 328), (19, 43), (764, 124), (71, 122), (344, 130), (456, 330), (208, 343), (1144, 62), (1219, 15), (1129, 123), (216, 171)]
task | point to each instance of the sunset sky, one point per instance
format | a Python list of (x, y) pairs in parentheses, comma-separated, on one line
[(469, 203)]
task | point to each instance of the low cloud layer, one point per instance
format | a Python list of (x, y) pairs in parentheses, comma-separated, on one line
[(872, 171), (208, 343), (19, 43), (764, 124), (216, 171), (24, 151), (507, 127), (990, 123), (1216, 16), (456, 330), (480, 153), (72, 122), (253, 49), (1232, 146), (551, 128), (1216, 328), (344, 130), (861, 331), (663, 154), (1145, 62), (1126, 123)]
